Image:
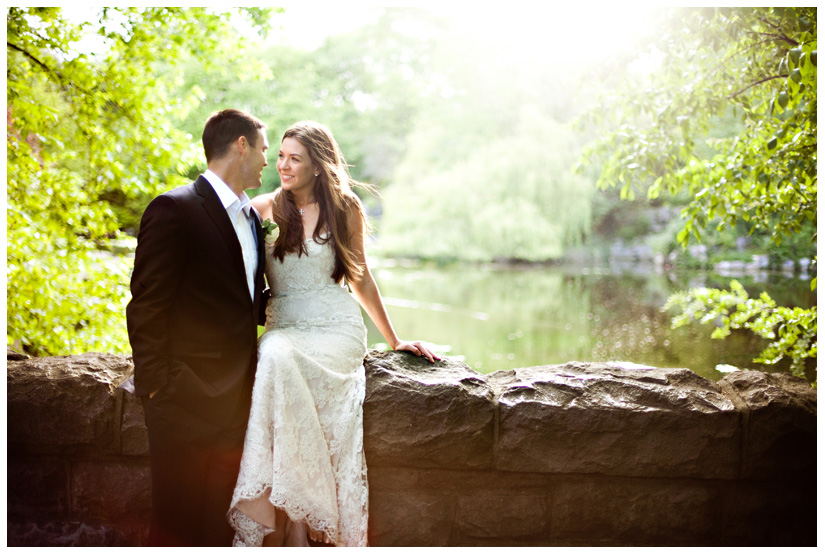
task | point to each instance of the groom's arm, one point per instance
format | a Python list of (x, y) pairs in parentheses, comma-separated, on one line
[(156, 279), (262, 310), (262, 204)]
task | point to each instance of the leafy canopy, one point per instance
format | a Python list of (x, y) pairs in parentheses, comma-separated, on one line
[(758, 66), (85, 130)]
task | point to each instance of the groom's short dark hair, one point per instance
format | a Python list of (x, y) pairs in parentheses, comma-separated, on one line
[(223, 128)]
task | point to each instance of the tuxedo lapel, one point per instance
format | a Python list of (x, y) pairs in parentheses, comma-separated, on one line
[(259, 235), (259, 238), (212, 205)]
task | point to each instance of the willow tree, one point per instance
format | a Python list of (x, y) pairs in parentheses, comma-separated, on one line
[(367, 100), (89, 126), (486, 170), (757, 65)]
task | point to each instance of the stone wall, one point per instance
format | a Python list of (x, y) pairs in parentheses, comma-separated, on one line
[(574, 454)]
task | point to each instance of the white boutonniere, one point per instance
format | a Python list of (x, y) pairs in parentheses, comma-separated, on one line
[(270, 232)]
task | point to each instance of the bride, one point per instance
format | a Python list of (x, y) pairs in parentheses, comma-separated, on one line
[(303, 474)]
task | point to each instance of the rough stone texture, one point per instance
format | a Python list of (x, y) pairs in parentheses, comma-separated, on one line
[(577, 454), (61, 404), (623, 510), (14, 355), (584, 418), (134, 439), (505, 515), (73, 534), (420, 414), (37, 487), (404, 514), (105, 489), (781, 435)]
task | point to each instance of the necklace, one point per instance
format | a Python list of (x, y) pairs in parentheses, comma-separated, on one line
[(301, 210)]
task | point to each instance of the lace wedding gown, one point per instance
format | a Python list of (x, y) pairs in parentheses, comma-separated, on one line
[(303, 451)]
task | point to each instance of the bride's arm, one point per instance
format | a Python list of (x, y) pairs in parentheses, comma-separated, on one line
[(366, 291)]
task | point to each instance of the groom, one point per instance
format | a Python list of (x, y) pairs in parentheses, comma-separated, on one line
[(197, 297)]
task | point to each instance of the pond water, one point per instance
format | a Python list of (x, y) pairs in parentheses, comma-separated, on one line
[(500, 317)]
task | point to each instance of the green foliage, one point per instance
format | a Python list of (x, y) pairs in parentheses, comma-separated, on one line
[(754, 71), (486, 174), (86, 135), (364, 84), (790, 330), (413, 117), (756, 64), (511, 198)]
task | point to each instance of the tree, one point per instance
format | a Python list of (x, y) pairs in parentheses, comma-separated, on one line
[(86, 132), (757, 65), (363, 84), (486, 173)]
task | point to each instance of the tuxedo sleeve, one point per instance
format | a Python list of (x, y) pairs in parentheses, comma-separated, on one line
[(265, 294), (262, 310), (156, 279)]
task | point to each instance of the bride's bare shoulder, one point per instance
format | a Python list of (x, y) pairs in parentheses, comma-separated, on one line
[(263, 204)]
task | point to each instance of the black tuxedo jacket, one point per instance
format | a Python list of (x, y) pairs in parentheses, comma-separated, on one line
[(192, 323)]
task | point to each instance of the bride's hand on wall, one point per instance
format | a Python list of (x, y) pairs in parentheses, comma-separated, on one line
[(416, 348)]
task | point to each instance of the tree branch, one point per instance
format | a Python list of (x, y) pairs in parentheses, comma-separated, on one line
[(776, 37), (32, 58), (59, 76), (782, 35), (759, 82)]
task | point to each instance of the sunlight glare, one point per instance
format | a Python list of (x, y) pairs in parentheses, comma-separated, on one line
[(555, 34)]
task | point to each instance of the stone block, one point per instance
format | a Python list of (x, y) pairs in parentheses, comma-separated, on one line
[(111, 490), (11, 354), (410, 518), (37, 487), (74, 534), (630, 511), (593, 418), (134, 438), (60, 404), (758, 513), (504, 515), (394, 478), (579, 454), (494, 481), (780, 414), (427, 415)]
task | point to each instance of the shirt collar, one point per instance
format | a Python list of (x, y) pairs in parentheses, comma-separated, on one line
[(226, 195)]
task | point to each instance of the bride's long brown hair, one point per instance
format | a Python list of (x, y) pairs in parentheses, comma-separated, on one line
[(335, 198)]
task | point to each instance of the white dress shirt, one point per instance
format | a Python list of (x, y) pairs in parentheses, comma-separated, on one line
[(239, 211)]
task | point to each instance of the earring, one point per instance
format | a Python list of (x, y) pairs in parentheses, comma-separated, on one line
[(317, 174)]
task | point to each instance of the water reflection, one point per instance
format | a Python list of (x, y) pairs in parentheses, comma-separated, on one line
[(502, 317)]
